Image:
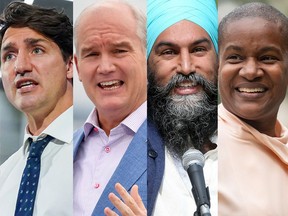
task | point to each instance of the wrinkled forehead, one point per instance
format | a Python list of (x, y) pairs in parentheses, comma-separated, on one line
[(105, 18)]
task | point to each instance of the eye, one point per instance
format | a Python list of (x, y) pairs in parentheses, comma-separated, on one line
[(168, 52), (234, 58), (268, 59), (199, 49), (8, 57), (38, 51), (91, 54), (120, 51)]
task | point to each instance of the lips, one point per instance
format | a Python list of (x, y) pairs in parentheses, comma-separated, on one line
[(186, 84), (186, 88), (251, 90), (111, 85), (25, 83)]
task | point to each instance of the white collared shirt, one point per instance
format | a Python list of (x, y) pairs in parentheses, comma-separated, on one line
[(55, 189), (175, 196)]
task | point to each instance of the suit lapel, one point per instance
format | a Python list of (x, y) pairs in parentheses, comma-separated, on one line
[(78, 137), (156, 165), (131, 167)]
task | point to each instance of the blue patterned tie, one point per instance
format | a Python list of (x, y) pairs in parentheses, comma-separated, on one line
[(30, 178)]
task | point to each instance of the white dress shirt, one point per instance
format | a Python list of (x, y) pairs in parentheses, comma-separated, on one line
[(55, 189), (175, 196)]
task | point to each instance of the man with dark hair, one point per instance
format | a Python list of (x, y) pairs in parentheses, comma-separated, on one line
[(253, 79), (36, 66), (182, 100)]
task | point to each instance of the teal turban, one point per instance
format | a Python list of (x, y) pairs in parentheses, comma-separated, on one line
[(162, 14)]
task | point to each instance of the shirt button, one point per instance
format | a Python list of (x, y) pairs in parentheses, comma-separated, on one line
[(107, 149), (95, 129), (97, 185)]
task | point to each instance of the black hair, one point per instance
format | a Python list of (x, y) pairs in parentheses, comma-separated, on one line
[(48, 22), (255, 9)]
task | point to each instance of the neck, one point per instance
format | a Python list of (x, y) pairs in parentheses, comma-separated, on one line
[(40, 119), (262, 126), (38, 123), (207, 146)]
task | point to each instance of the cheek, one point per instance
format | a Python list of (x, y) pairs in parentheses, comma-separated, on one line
[(164, 72), (225, 79), (85, 72), (209, 68), (7, 80)]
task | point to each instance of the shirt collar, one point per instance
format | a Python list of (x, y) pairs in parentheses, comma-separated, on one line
[(133, 121), (61, 129)]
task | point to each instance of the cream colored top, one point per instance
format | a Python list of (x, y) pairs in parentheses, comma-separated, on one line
[(253, 169)]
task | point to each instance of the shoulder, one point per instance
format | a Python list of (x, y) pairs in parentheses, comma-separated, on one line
[(9, 165)]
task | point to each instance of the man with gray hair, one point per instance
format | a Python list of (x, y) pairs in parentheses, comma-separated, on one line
[(110, 151)]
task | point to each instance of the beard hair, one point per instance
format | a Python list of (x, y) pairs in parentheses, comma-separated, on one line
[(183, 121)]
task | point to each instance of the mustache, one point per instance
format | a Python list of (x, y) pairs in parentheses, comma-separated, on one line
[(196, 79)]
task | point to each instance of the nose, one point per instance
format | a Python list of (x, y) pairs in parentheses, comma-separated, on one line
[(186, 63), (250, 70), (106, 64), (22, 63)]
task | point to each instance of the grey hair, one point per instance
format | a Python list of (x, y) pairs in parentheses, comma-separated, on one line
[(139, 16)]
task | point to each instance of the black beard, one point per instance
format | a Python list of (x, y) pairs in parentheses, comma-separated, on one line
[(183, 121)]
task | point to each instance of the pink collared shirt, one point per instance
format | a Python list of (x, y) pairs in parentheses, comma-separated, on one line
[(98, 157)]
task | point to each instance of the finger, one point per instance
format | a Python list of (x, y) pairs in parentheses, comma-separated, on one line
[(127, 198), (136, 196), (122, 207), (109, 212)]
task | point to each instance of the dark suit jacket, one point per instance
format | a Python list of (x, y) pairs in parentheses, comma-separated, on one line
[(131, 170), (156, 164)]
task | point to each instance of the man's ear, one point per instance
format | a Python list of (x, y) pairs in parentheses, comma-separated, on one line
[(69, 66), (76, 64)]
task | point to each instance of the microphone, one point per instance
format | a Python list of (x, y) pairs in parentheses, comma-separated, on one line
[(193, 162)]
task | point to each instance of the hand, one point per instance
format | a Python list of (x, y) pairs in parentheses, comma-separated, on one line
[(132, 205)]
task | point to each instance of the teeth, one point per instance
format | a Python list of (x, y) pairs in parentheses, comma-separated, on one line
[(25, 84), (251, 90), (187, 84), (109, 83)]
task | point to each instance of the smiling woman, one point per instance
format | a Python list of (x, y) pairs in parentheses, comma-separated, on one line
[(253, 71), (253, 79)]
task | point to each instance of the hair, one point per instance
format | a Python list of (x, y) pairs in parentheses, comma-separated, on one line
[(48, 22), (255, 10), (139, 16)]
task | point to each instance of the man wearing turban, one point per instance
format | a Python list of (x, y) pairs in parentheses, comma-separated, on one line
[(182, 100)]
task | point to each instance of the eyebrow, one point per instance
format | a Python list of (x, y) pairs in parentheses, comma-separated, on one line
[(233, 47), (28, 41), (270, 48), (170, 44), (264, 49), (87, 49)]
